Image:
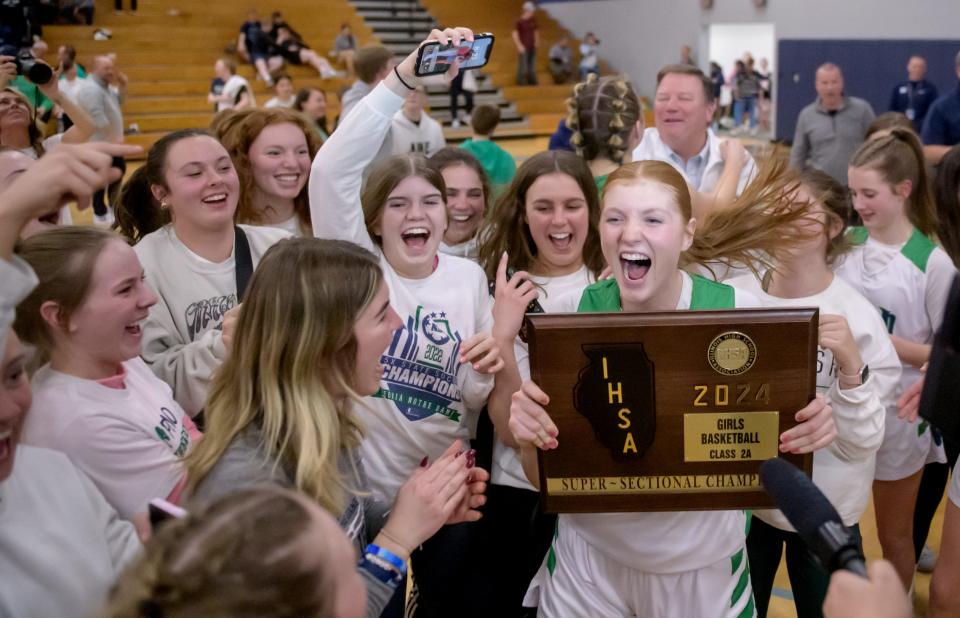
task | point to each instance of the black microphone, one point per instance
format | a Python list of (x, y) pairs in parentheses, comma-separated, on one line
[(816, 521)]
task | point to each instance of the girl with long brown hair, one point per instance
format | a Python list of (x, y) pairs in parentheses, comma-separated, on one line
[(662, 564), (899, 268)]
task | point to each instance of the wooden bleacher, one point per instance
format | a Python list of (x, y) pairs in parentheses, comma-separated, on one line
[(168, 49)]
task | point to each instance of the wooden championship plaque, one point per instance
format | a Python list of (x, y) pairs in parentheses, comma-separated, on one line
[(669, 411)]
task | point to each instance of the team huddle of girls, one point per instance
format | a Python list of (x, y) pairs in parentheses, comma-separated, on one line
[(301, 344)]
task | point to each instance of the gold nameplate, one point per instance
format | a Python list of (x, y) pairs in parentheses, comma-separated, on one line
[(618, 485), (669, 411), (730, 436)]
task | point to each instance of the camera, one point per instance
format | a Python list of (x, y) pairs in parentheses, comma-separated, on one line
[(35, 70)]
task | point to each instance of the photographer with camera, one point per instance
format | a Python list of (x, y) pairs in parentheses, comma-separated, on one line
[(18, 126)]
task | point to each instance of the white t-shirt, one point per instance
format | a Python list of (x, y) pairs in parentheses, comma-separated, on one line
[(62, 546), (425, 137), (555, 295), (232, 89), (844, 470), (49, 143), (278, 102), (670, 542), (467, 249), (427, 398), (181, 338), (290, 226), (128, 441)]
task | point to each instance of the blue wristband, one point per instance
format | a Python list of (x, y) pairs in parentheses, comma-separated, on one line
[(389, 556), (388, 576)]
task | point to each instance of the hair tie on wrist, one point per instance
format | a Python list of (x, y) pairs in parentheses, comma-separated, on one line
[(406, 85)]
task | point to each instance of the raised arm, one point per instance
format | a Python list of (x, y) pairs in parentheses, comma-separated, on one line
[(336, 176)]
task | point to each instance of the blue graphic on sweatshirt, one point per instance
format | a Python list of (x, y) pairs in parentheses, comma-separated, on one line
[(420, 367)]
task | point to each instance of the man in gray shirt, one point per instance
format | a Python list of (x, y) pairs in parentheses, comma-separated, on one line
[(830, 129), (99, 100)]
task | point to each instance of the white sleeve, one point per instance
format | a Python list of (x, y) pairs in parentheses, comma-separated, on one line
[(119, 534), (336, 176), (747, 174), (128, 467), (17, 280), (477, 386), (940, 274), (438, 142), (859, 413), (186, 367)]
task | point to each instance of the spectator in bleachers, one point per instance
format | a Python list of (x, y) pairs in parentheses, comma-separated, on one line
[(831, 128), (497, 162), (686, 55), (236, 92), (296, 52), (589, 62), (97, 97), (78, 11), (371, 64), (941, 129), (285, 96), (71, 74), (716, 77), (413, 130), (345, 47), (313, 103), (29, 89), (19, 26), (561, 61), (118, 7), (527, 39), (682, 111), (254, 46), (464, 83), (915, 96)]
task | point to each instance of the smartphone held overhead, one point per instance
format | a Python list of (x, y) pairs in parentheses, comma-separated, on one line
[(435, 58)]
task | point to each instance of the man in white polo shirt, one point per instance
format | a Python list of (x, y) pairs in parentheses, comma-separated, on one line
[(683, 110)]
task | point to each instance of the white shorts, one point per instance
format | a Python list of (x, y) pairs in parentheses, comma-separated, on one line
[(577, 580), (953, 492), (906, 449)]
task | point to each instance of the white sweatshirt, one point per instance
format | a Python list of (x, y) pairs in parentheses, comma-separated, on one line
[(129, 441), (556, 295), (426, 397), (406, 137), (181, 338), (17, 280), (62, 546), (844, 470)]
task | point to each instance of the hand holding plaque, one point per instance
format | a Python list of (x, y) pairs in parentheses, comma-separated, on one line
[(669, 411)]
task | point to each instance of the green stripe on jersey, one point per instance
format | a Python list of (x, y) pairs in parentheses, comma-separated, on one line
[(918, 249), (707, 294), (858, 234), (739, 562)]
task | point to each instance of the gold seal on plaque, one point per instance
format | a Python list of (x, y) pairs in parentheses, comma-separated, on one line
[(732, 353)]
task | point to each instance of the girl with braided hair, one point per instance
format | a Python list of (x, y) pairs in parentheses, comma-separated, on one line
[(606, 118)]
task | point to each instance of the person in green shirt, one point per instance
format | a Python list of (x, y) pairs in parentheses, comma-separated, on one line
[(498, 163)]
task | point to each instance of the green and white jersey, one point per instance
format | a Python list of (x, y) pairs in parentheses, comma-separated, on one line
[(670, 542), (908, 284), (844, 470)]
